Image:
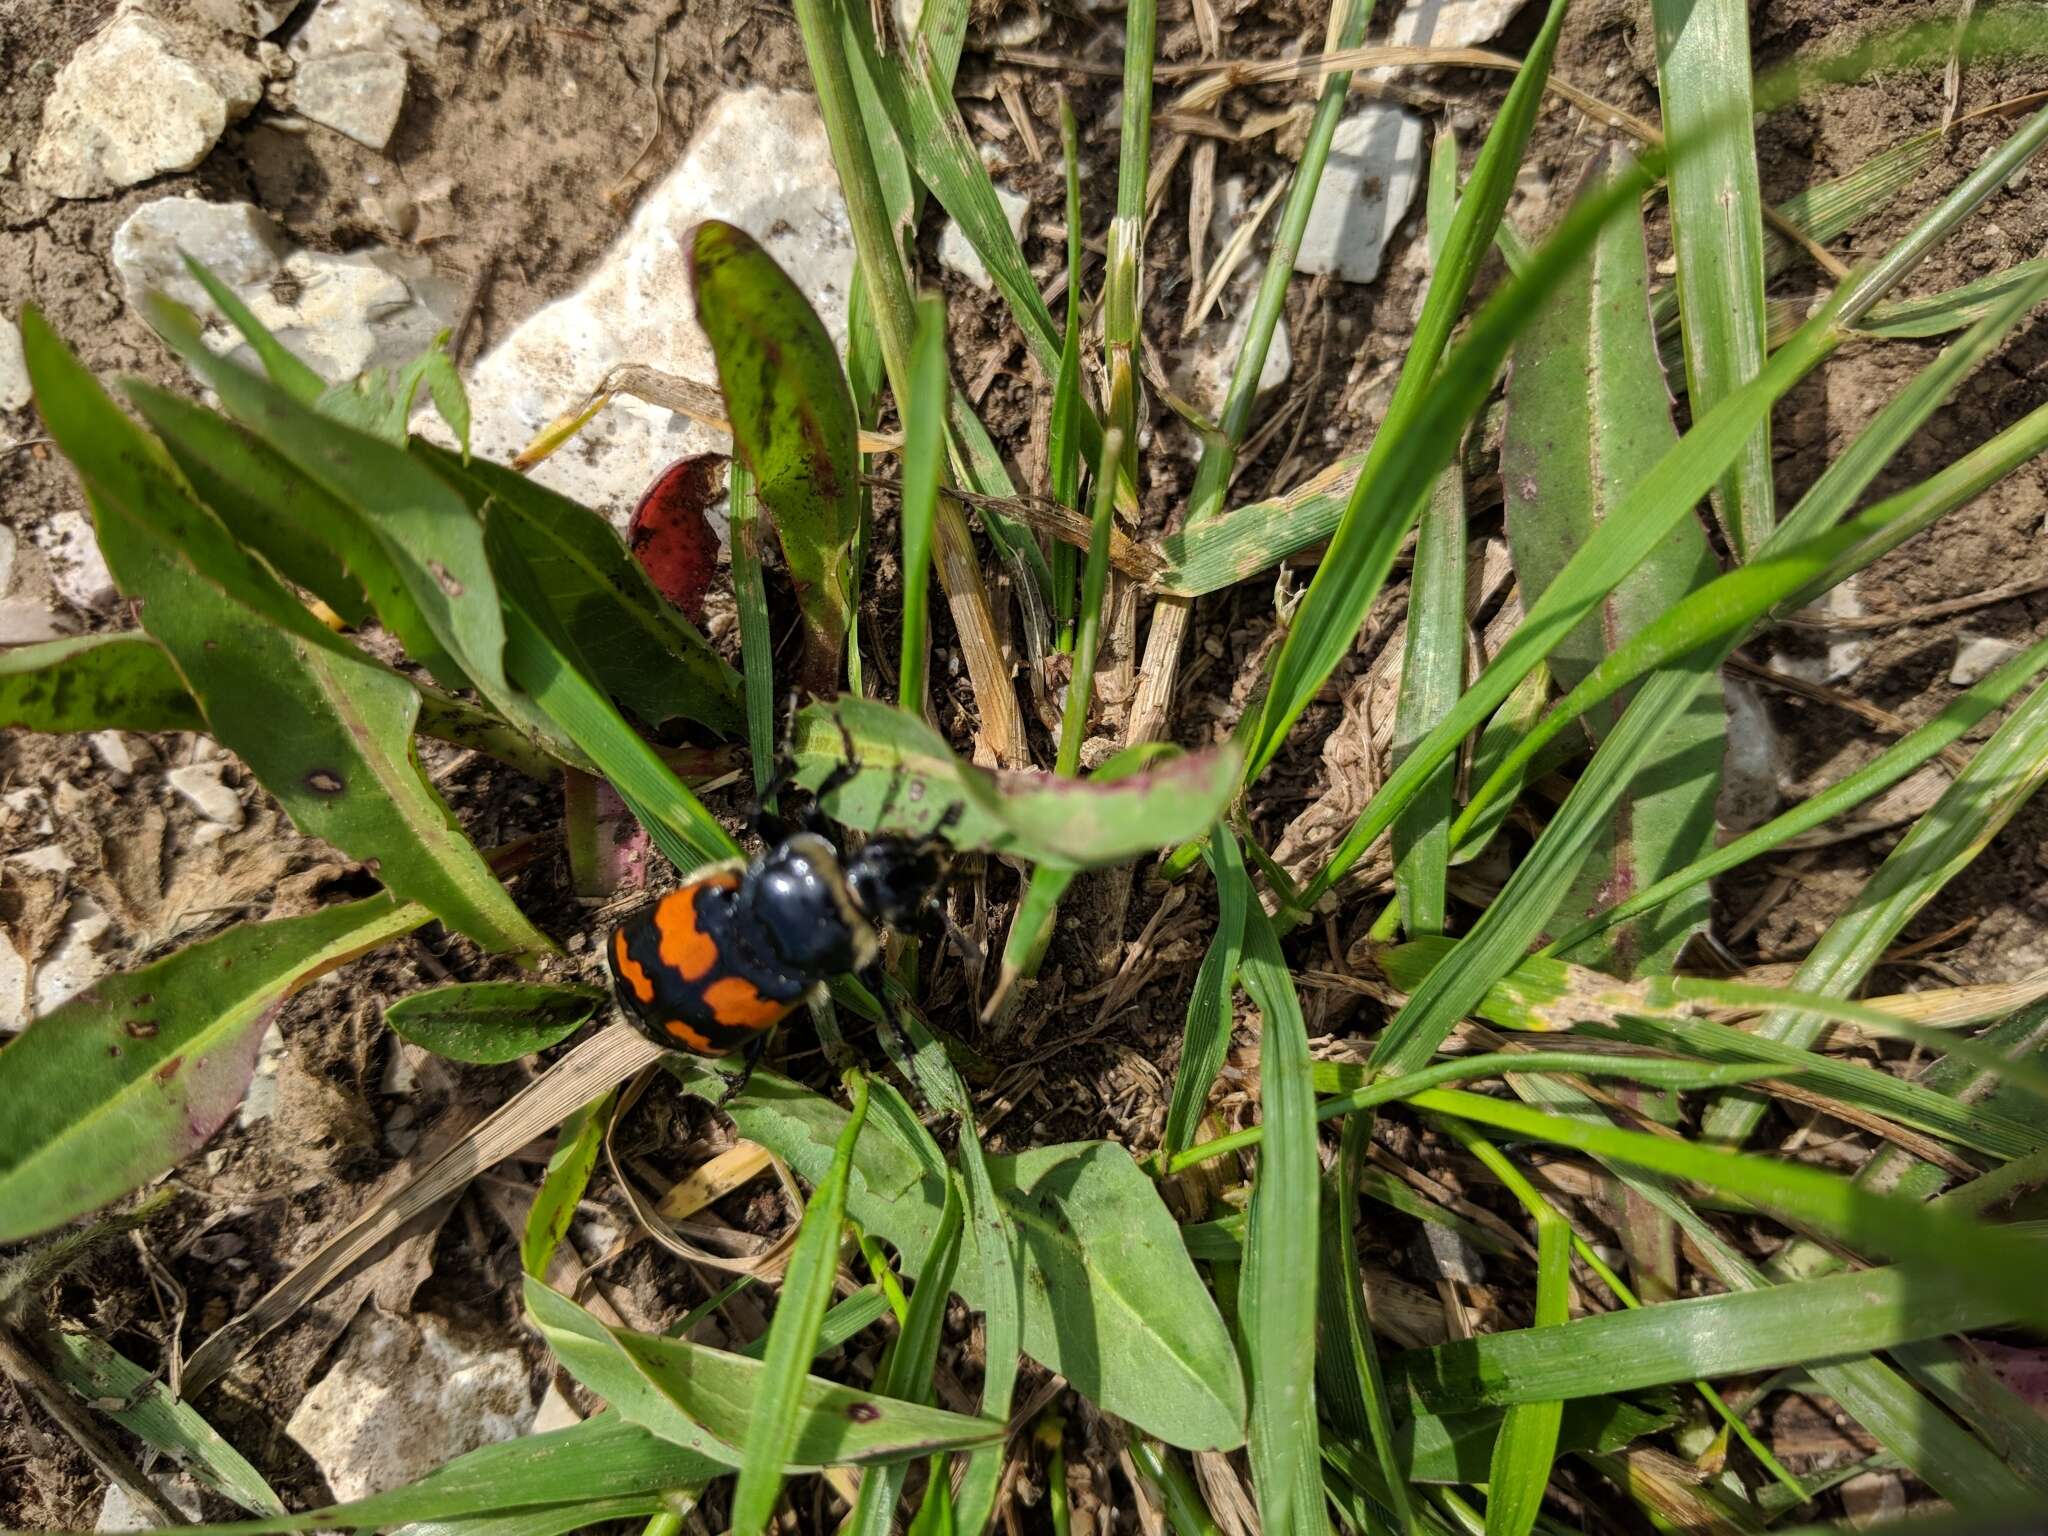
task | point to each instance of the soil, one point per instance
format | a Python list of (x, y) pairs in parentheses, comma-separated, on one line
[(506, 142)]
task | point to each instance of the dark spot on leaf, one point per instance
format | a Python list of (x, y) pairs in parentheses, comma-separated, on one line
[(145, 999), (139, 1029), (325, 781), (448, 582), (169, 1069), (863, 1413), (114, 1051)]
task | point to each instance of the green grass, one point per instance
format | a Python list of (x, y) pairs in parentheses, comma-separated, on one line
[(1540, 1026)]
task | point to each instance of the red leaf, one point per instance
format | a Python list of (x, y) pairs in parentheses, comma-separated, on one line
[(671, 536)]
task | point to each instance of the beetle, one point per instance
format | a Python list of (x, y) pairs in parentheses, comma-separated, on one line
[(717, 963)]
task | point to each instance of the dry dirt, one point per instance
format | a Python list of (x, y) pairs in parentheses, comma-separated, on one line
[(533, 106)]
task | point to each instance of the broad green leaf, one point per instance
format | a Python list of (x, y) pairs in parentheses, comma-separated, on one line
[(327, 729), (636, 644), (777, 1415), (94, 683), (491, 1021), (908, 778), (1588, 420), (433, 583), (1735, 1334), (1111, 1300), (577, 1145), (1703, 77), (144, 1407), (270, 508), (542, 658), (1432, 673), (558, 1519), (1277, 1292), (701, 1398), (793, 422), (136, 1073)]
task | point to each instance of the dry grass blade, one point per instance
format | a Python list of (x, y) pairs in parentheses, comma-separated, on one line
[(590, 1069)]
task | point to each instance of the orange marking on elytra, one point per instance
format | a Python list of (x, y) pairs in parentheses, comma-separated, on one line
[(736, 1003), (685, 948), (634, 973), (691, 1038)]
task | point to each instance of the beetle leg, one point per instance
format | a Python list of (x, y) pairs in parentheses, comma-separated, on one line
[(750, 1058)]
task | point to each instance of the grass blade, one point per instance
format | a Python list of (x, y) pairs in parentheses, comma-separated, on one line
[(1277, 1289), (2001, 778), (1588, 421), (1527, 1447), (777, 1418), (1703, 78), (1422, 421), (924, 443), (1088, 636), (1205, 1039), (577, 1145)]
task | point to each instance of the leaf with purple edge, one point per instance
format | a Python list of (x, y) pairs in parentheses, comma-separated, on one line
[(907, 779), (136, 1073)]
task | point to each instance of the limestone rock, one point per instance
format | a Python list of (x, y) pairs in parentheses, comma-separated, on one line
[(1452, 23), (1374, 169), (246, 18), (356, 26), (14, 390), (359, 94), (957, 251), (407, 1395), (759, 161), (340, 314), (1978, 656), (138, 99)]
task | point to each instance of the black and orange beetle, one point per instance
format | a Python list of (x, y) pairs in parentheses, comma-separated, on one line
[(716, 964)]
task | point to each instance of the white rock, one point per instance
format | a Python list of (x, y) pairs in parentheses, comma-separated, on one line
[(351, 26), (339, 314), (957, 252), (1374, 169), (249, 18), (14, 389), (358, 94), (200, 786), (1202, 370), (260, 1102), (77, 568), (114, 752), (1452, 23), (759, 161), (120, 1513), (140, 98), (1977, 657), (24, 622), (1752, 761), (71, 965), (405, 1396)]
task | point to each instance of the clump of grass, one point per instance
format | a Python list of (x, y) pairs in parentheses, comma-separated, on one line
[(1209, 1297)]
